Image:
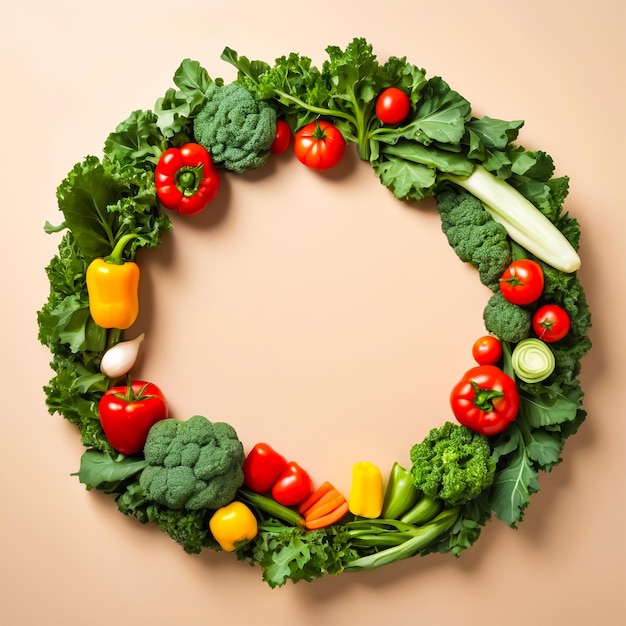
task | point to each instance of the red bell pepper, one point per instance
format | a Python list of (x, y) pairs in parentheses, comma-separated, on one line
[(485, 400), (262, 467), (186, 180)]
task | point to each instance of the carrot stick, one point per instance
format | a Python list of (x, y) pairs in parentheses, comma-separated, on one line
[(326, 504), (323, 489), (327, 520)]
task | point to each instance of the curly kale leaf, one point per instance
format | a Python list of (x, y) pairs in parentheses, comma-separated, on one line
[(289, 553)]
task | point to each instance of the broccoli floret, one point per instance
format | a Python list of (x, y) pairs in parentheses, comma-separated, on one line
[(453, 463), (474, 235), (193, 464), (236, 127), (507, 321)]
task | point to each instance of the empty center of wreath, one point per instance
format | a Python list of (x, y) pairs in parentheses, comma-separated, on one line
[(319, 311)]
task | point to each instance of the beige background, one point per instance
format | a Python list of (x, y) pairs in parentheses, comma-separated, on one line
[(313, 311)]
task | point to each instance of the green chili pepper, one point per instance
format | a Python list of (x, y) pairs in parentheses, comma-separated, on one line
[(401, 493)]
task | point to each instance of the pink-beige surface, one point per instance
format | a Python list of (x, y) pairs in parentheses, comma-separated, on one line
[(313, 311)]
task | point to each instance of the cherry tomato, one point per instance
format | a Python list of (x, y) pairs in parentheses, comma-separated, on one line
[(487, 350), (522, 282), (283, 137), (551, 322), (319, 145), (392, 106)]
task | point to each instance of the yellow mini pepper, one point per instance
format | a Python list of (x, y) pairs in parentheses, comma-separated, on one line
[(112, 286), (366, 493), (233, 525)]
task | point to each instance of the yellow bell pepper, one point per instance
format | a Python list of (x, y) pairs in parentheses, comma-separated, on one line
[(233, 525), (112, 286), (366, 492)]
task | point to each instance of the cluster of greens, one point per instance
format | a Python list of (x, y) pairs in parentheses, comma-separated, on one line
[(467, 479)]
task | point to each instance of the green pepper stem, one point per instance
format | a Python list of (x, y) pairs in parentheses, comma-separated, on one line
[(484, 397), (116, 255), (188, 179)]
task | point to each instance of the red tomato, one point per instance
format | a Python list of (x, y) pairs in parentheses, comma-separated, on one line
[(487, 350), (522, 282), (292, 486), (551, 322), (319, 145), (128, 413), (283, 137), (392, 106)]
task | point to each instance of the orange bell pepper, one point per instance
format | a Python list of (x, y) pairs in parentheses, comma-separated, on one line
[(112, 286)]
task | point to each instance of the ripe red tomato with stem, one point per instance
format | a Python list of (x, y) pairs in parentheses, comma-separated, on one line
[(392, 106), (487, 350), (551, 322), (522, 282), (319, 145), (128, 412), (283, 137)]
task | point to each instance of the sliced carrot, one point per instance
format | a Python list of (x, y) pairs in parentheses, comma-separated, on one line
[(323, 489), (326, 504), (327, 520)]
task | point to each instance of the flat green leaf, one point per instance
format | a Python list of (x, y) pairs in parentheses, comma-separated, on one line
[(406, 180), (99, 468), (512, 487), (540, 412), (83, 197), (441, 113), (543, 448), (493, 133)]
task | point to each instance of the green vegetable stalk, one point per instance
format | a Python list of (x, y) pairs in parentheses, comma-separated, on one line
[(407, 543)]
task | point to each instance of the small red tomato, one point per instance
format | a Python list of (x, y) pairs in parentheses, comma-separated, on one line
[(551, 322), (522, 282), (319, 145), (128, 413), (487, 350), (283, 137), (292, 486), (392, 106)]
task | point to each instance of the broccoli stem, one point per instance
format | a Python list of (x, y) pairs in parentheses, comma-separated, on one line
[(421, 537)]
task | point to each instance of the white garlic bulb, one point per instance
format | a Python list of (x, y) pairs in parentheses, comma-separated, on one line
[(118, 360)]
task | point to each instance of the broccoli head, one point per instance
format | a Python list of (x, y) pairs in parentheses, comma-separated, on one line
[(474, 235), (507, 321), (236, 127), (193, 464), (453, 464)]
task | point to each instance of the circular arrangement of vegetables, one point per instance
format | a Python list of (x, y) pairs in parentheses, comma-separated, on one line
[(501, 210)]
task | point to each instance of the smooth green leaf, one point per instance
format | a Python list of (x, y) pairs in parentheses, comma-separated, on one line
[(98, 468), (512, 487), (406, 180), (540, 412)]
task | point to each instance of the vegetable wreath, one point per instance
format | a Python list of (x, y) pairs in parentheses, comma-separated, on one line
[(501, 210)]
